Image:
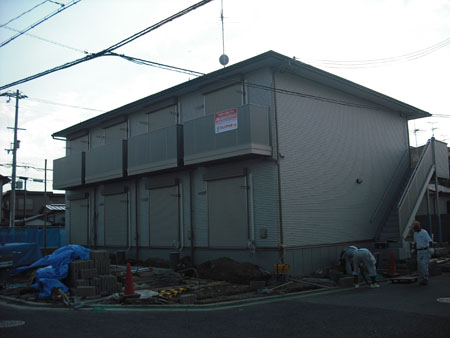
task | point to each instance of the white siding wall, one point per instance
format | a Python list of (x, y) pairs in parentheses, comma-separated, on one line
[(325, 147)]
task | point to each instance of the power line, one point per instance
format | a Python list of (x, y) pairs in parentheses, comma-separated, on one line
[(8, 165), (382, 61), (111, 48), (20, 15), (157, 65), (47, 40), (74, 2), (64, 105)]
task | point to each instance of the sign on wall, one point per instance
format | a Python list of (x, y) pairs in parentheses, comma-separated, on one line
[(226, 121)]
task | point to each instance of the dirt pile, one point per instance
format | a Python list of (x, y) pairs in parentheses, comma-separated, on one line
[(226, 269)]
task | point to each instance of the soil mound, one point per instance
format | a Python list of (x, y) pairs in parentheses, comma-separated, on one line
[(226, 269)]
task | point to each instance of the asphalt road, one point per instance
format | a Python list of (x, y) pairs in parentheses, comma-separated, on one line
[(394, 310)]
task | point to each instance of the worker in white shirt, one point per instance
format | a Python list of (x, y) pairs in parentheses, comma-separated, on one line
[(347, 257), (364, 260), (423, 246)]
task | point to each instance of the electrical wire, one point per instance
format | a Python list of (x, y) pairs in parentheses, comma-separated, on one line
[(382, 61), (111, 48), (74, 2), (63, 104), (157, 65), (20, 15), (49, 41)]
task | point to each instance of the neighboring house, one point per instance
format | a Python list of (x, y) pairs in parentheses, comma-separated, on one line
[(3, 181), (28, 204), (269, 160), (51, 215)]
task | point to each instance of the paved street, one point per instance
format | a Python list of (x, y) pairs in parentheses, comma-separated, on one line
[(394, 310)]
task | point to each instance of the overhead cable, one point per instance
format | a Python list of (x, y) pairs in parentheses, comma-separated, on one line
[(64, 105), (157, 65), (382, 61), (111, 48), (28, 11), (47, 40), (39, 22)]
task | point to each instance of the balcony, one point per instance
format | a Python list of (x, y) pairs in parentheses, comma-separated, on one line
[(242, 131), (157, 150), (106, 162), (68, 171)]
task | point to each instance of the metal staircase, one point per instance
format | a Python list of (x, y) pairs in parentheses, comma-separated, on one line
[(394, 227)]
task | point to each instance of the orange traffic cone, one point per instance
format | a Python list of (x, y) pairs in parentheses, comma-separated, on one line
[(129, 287), (392, 265)]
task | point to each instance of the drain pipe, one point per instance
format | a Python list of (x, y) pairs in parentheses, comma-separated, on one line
[(277, 140), (251, 218), (191, 218), (181, 218), (136, 218)]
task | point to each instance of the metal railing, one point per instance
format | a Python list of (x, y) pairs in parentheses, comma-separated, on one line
[(414, 190), (382, 210)]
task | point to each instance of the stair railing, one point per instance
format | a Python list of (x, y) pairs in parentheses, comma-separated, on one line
[(415, 189), (389, 193)]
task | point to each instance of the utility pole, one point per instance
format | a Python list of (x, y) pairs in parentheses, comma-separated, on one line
[(12, 204)]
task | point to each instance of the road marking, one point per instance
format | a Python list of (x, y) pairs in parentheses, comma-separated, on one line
[(11, 323), (443, 300)]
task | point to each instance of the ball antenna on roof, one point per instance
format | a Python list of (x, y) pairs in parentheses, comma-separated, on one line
[(223, 59)]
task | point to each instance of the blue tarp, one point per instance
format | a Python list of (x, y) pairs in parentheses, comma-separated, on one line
[(55, 267), (56, 237), (22, 253)]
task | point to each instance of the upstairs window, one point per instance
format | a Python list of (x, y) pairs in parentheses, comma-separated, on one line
[(224, 99)]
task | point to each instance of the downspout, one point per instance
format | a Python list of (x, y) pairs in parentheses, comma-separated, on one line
[(128, 220), (436, 187), (180, 208), (280, 204), (136, 218), (430, 223), (95, 217), (251, 218), (191, 217)]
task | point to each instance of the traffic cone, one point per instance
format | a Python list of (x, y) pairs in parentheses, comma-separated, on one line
[(392, 265), (129, 286)]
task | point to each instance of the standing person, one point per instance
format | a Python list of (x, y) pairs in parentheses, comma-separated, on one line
[(422, 245), (364, 260)]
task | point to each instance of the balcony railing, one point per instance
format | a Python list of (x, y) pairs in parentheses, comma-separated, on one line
[(157, 150), (236, 132), (68, 171), (106, 162)]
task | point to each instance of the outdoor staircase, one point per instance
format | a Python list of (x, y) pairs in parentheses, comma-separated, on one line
[(406, 196)]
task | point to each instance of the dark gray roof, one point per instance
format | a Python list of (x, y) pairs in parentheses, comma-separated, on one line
[(268, 59)]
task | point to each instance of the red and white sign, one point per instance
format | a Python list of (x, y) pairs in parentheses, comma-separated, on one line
[(226, 121)]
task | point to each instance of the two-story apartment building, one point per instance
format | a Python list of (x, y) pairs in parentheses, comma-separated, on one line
[(269, 160)]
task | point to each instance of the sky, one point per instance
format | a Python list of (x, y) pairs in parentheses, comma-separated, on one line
[(400, 48)]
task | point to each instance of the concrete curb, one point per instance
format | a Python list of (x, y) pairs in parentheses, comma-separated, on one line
[(175, 307), (178, 307)]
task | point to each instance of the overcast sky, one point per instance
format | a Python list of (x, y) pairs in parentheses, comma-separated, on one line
[(400, 48)]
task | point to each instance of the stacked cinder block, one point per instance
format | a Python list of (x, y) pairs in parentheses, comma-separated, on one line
[(92, 276)]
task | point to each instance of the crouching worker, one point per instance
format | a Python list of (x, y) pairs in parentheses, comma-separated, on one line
[(347, 259), (363, 260)]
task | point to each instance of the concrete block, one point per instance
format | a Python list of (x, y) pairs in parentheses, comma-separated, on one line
[(88, 273), (188, 298), (82, 282)]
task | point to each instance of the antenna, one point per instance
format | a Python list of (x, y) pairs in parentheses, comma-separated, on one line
[(433, 128), (223, 59), (415, 131)]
